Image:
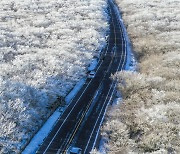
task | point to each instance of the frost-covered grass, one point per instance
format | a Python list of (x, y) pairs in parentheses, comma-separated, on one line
[(45, 48), (148, 120)]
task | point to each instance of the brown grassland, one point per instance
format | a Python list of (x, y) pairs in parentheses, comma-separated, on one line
[(148, 118)]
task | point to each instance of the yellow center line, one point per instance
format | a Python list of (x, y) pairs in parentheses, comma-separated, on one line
[(82, 117), (80, 121), (87, 108)]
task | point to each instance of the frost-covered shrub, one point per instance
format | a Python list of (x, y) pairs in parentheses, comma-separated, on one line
[(45, 48), (147, 121)]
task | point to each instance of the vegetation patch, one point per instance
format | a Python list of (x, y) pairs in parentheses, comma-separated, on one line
[(148, 118), (45, 49)]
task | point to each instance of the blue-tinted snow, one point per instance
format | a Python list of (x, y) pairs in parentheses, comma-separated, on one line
[(42, 133), (75, 90), (37, 140), (93, 64)]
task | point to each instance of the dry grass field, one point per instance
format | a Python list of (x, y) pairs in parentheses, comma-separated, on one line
[(148, 118)]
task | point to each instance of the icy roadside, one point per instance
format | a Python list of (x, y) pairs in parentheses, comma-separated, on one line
[(131, 65), (130, 61), (75, 90), (43, 132), (38, 139), (93, 64)]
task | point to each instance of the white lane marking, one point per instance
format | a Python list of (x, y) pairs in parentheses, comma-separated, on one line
[(97, 120), (78, 99), (74, 105), (106, 71), (103, 116), (93, 97), (83, 114), (122, 32), (68, 114), (65, 120), (112, 92)]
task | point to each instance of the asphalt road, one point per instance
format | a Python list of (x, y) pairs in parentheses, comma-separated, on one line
[(79, 125)]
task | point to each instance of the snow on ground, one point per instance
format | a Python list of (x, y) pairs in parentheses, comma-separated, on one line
[(45, 48), (75, 90), (93, 64), (42, 133), (39, 137)]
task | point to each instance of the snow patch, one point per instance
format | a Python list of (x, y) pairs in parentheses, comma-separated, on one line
[(75, 90), (38, 139), (93, 64)]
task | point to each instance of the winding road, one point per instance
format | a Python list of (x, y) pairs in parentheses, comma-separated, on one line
[(80, 123)]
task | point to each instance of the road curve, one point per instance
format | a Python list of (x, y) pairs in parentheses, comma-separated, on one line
[(80, 123)]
